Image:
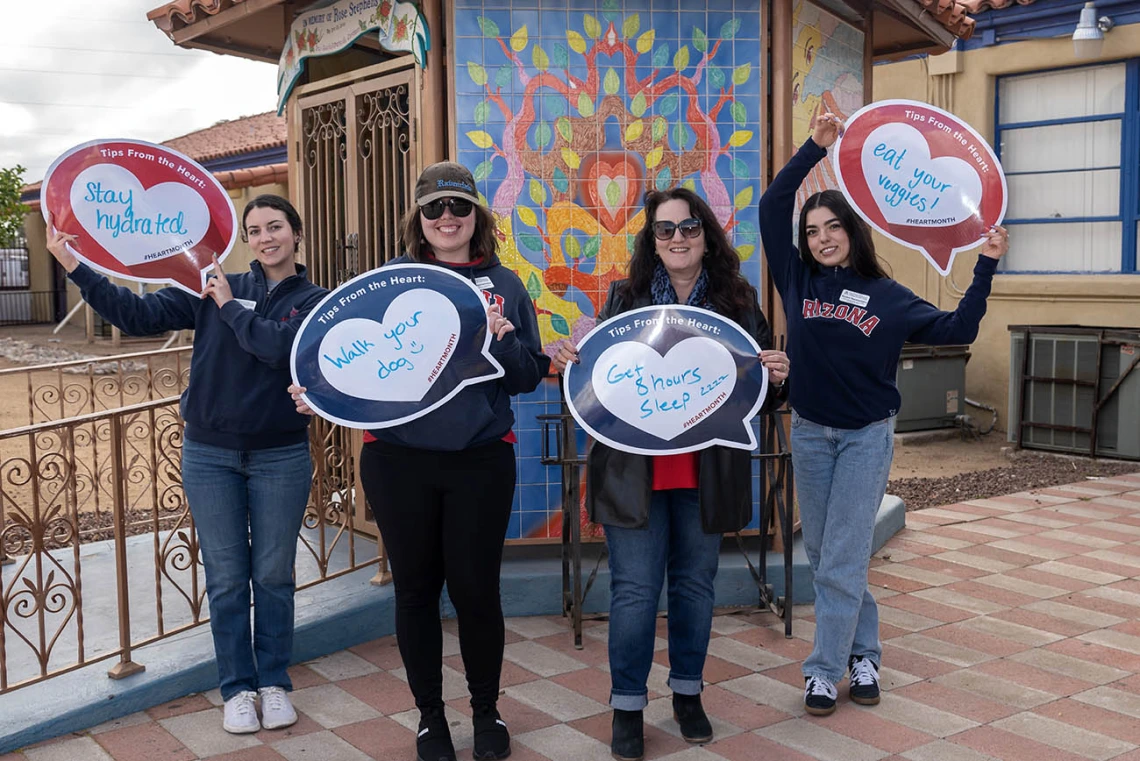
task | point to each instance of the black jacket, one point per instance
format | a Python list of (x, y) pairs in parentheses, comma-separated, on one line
[(619, 485)]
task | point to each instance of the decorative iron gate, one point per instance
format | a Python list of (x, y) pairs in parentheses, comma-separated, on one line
[(358, 162)]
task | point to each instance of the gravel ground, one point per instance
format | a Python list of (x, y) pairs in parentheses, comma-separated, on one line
[(1025, 470)]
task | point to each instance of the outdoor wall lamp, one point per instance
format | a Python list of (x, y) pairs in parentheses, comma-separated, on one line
[(1088, 37)]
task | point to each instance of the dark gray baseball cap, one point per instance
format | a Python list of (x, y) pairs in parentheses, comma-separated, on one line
[(445, 180)]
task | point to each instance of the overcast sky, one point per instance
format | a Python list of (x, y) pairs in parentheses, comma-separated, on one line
[(78, 70)]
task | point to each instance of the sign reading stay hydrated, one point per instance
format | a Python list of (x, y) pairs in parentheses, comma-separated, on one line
[(392, 345), (666, 380), (140, 211)]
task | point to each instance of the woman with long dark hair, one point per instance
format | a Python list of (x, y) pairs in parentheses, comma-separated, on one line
[(847, 323), (664, 516), (246, 470)]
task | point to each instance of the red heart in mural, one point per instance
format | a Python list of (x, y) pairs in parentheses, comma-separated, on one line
[(610, 185)]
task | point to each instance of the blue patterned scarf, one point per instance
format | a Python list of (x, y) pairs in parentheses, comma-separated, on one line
[(661, 288)]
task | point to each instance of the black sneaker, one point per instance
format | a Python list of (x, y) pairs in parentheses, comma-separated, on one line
[(689, 713), (433, 740), (628, 742), (819, 696), (492, 740), (864, 681)]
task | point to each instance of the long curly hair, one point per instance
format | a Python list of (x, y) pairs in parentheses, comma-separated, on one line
[(731, 294), (864, 260)]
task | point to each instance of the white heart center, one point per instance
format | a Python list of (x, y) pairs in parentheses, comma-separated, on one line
[(910, 188), (397, 360), (134, 225), (664, 396)]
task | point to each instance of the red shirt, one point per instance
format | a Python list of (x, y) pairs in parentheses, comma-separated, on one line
[(676, 471)]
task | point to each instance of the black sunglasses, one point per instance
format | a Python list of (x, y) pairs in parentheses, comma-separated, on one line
[(460, 207), (690, 228)]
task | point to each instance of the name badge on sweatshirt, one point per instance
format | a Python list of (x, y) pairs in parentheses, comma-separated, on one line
[(484, 282), (247, 303), (392, 345), (854, 297)]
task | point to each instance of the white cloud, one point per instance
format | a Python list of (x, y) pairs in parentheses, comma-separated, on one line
[(85, 71)]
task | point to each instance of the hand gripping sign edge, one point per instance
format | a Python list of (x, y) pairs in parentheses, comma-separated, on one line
[(489, 369), (592, 413), (939, 244), (180, 265)]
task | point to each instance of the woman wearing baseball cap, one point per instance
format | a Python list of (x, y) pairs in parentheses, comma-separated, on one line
[(441, 486)]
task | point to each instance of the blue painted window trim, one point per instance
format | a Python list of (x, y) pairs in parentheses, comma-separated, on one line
[(1129, 166)]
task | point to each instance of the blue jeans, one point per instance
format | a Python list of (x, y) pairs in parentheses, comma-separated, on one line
[(672, 543), (247, 508), (841, 477)]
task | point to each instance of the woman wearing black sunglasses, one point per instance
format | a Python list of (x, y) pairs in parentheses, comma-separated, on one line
[(441, 486), (664, 516)]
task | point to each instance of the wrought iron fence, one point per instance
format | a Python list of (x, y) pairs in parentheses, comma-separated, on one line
[(98, 496)]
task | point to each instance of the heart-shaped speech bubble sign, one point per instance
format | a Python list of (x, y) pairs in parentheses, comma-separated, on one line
[(921, 177), (140, 211), (665, 395), (393, 344), (666, 380), (399, 359)]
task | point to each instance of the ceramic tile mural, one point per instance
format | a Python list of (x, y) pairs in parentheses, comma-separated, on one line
[(827, 75), (567, 113)]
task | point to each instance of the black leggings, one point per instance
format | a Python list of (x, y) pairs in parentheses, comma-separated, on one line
[(443, 517)]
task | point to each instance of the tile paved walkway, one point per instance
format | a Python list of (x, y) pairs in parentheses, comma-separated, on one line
[(1011, 630)]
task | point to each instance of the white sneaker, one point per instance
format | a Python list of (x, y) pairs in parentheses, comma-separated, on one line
[(241, 714), (276, 708)]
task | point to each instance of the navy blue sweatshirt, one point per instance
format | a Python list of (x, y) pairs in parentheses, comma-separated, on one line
[(845, 332), (481, 413), (236, 397)]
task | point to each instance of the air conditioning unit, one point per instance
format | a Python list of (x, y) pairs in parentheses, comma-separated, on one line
[(1075, 389), (932, 384)]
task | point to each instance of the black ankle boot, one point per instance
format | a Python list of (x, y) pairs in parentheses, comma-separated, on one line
[(492, 740), (628, 742), (433, 740), (689, 713)]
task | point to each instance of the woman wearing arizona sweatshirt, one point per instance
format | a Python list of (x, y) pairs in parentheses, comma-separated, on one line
[(245, 455), (847, 323), (441, 486)]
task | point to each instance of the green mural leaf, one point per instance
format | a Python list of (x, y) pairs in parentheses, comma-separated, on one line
[(739, 168), (700, 41), (534, 243), (537, 192), (716, 78), (562, 124), (482, 170), (661, 56), (482, 111), (745, 252), (664, 179), (629, 243), (592, 247), (542, 135), (681, 59), (585, 105), (611, 83), (613, 193), (611, 10), (573, 248), (631, 27), (680, 136), (477, 73), (741, 74), (489, 27), (730, 28), (560, 182), (592, 26), (540, 58), (554, 105), (558, 322), (669, 104), (533, 286), (689, 184), (660, 127), (559, 56), (739, 112), (638, 105), (504, 76)]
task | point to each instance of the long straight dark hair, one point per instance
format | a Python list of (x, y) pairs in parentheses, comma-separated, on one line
[(864, 260), (730, 293), (484, 242)]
